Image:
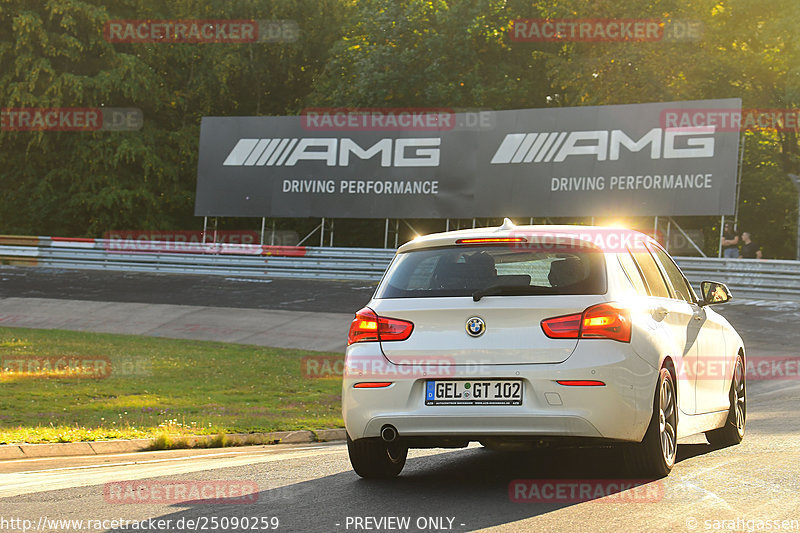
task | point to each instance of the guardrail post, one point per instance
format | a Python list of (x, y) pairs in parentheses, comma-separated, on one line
[(669, 227), (796, 180)]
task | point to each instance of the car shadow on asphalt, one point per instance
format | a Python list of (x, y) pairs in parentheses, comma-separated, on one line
[(472, 487), (688, 451)]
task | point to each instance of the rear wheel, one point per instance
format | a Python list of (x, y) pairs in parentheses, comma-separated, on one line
[(655, 455), (733, 431), (374, 459)]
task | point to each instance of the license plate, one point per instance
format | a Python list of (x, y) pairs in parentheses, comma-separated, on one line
[(481, 392)]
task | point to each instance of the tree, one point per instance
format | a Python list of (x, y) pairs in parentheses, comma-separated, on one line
[(53, 54)]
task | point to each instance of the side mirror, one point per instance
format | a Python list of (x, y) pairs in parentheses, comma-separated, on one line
[(714, 292)]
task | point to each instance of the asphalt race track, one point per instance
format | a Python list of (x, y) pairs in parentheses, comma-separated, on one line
[(186, 289), (751, 487)]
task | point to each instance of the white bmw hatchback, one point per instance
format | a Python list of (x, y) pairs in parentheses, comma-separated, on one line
[(523, 334)]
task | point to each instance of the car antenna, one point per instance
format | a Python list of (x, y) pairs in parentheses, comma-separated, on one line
[(507, 224)]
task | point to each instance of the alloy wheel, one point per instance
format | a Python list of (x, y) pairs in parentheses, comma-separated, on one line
[(667, 421)]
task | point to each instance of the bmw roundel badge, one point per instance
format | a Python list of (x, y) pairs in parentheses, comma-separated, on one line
[(475, 326)]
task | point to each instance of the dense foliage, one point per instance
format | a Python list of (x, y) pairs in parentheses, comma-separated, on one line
[(368, 53)]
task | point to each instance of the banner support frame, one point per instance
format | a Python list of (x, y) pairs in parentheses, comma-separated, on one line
[(688, 238)]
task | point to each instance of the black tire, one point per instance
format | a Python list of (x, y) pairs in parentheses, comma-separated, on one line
[(732, 432), (655, 455), (374, 459)]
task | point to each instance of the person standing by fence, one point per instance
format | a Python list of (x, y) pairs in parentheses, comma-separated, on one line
[(750, 250), (730, 242)]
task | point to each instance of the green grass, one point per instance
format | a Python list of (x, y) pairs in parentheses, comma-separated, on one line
[(160, 388)]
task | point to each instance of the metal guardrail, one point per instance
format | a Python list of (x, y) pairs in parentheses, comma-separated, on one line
[(768, 278), (771, 279), (197, 258)]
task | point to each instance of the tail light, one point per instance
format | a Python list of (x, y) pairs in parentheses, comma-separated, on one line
[(606, 321), (602, 321), (562, 327), (368, 326)]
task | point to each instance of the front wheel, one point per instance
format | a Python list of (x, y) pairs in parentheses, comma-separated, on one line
[(733, 431), (655, 455), (374, 459)]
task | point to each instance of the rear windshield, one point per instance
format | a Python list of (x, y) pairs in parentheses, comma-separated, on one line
[(462, 270)]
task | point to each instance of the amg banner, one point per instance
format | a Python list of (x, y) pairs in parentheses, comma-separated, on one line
[(676, 158)]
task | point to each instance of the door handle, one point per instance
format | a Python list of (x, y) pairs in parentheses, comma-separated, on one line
[(661, 311)]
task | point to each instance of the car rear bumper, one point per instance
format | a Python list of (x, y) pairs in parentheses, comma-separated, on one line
[(619, 410), (458, 425)]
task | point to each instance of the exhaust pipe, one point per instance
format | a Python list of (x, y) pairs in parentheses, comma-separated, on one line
[(388, 433)]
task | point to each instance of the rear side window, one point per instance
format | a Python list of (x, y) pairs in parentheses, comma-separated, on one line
[(682, 289), (462, 270), (652, 275), (632, 271)]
